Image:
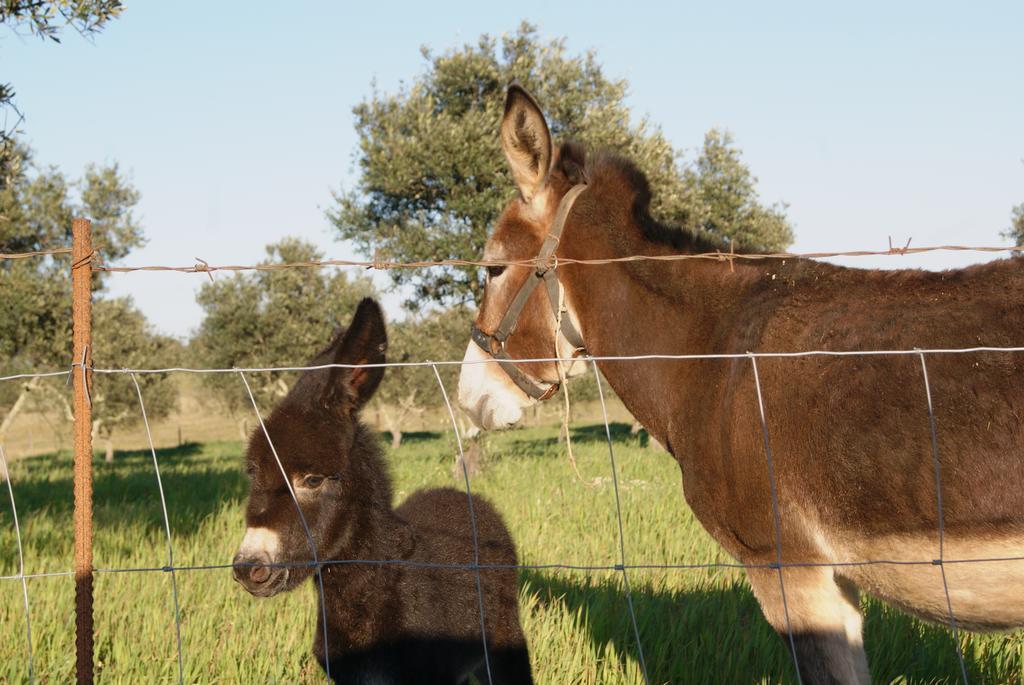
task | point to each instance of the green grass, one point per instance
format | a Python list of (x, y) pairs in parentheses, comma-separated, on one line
[(696, 626)]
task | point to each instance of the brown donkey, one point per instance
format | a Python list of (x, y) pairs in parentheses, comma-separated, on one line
[(411, 622), (855, 468)]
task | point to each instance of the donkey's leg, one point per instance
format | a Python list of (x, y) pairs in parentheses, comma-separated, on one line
[(825, 620), (854, 622)]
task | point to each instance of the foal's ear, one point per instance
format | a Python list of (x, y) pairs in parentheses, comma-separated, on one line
[(364, 342), (526, 141)]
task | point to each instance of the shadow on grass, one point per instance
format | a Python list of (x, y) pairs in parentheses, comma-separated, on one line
[(412, 436), (596, 433), (696, 636), (718, 634), (581, 435), (125, 492)]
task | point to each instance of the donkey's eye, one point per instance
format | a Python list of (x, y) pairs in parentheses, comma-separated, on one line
[(495, 271), (312, 481)]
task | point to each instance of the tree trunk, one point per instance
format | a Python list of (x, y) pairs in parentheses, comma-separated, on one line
[(61, 402), (391, 425), (109, 457), (17, 406)]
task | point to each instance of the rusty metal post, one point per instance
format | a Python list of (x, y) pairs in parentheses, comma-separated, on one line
[(81, 319)]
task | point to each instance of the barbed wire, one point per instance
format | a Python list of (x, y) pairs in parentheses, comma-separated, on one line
[(35, 253), (203, 266)]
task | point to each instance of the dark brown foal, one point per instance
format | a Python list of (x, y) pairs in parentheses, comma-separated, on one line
[(414, 621)]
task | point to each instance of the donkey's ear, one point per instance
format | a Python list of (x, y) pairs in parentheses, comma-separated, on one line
[(526, 141), (365, 342)]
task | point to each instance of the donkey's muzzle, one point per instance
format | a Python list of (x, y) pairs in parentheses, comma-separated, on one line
[(257, 574)]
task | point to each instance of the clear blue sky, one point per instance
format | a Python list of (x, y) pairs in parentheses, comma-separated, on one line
[(234, 118)]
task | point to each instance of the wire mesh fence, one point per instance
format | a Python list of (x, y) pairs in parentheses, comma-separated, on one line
[(622, 565)]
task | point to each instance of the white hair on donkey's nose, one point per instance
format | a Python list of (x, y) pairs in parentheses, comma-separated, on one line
[(260, 542), (487, 394)]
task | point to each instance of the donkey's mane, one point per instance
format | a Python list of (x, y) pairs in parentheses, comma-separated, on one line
[(613, 173), (606, 166)]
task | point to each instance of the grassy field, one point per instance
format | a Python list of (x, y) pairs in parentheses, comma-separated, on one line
[(696, 626)]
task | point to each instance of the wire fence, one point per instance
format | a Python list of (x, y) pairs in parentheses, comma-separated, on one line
[(622, 566)]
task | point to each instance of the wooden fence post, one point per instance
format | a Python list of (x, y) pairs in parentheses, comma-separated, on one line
[(81, 317)]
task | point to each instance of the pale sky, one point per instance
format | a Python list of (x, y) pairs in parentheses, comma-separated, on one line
[(234, 120)]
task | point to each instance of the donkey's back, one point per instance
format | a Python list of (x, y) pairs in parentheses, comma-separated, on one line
[(838, 423), (444, 595)]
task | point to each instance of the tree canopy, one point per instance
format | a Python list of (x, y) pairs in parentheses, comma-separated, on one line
[(271, 318), (432, 177), (123, 338), (36, 208)]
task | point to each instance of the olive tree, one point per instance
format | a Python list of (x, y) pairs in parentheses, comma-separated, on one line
[(37, 204), (432, 178)]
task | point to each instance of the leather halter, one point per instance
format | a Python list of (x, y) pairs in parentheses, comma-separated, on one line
[(544, 270)]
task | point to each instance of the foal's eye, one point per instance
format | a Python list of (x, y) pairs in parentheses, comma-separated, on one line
[(312, 481), (495, 271)]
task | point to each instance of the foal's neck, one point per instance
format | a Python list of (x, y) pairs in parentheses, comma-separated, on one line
[(361, 599), (376, 532)]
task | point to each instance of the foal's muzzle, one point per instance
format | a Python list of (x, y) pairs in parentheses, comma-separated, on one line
[(256, 574)]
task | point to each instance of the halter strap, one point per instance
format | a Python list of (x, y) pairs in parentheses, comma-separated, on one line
[(545, 266)]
